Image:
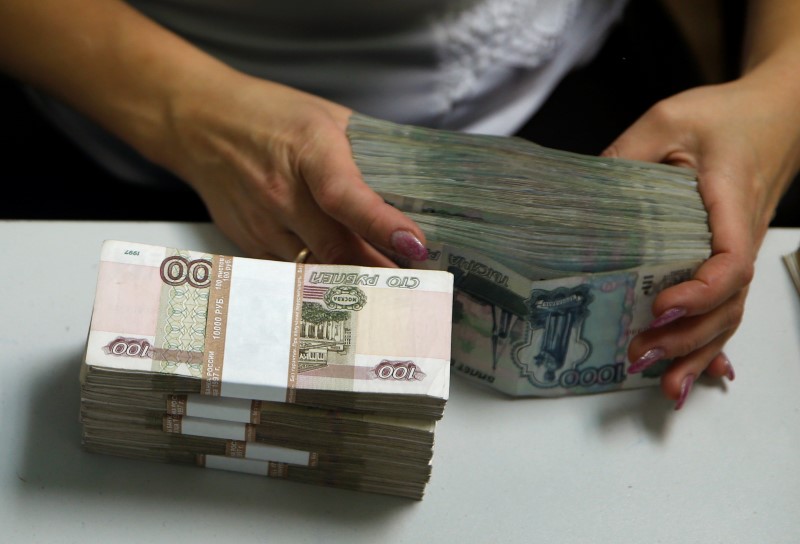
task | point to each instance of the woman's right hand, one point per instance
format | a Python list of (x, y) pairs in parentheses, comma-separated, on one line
[(275, 170)]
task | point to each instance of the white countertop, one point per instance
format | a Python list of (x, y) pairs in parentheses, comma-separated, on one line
[(617, 467)]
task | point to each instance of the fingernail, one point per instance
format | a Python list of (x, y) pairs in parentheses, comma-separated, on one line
[(650, 357), (408, 245), (686, 387), (730, 373), (668, 317)]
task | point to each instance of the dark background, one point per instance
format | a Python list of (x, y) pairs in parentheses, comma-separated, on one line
[(646, 58)]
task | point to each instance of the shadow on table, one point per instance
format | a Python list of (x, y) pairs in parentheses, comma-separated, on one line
[(54, 464), (649, 408), (643, 410)]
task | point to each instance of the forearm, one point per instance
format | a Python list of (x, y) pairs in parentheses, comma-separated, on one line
[(772, 34), (105, 59), (771, 61)]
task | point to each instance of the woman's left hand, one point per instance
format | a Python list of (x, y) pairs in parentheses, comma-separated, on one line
[(743, 142)]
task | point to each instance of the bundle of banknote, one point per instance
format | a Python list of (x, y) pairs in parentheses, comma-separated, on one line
[(356, 451), (314, 373), (557, 256), (792, 262)]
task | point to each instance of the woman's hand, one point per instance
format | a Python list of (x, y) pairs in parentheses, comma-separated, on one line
[(743, 139), (275, 169)]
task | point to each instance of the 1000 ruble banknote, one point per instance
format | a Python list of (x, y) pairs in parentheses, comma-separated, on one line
[(554, 337)]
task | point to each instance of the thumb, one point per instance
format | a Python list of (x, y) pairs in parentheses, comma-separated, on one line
[(649, 139)]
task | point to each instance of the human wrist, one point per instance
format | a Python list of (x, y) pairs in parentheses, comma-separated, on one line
[(774, 84), (181, 110)]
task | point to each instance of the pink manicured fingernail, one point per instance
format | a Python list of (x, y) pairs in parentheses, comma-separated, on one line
[(668, 317), (686, 387), (650, 357), (408, 245), (730, 373)]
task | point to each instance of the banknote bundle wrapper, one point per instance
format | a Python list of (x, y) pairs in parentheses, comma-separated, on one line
[(322, 374), (557, 256)]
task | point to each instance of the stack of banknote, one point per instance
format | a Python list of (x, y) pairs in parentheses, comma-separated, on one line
[(557, 256), (334, 375), (792, 262)]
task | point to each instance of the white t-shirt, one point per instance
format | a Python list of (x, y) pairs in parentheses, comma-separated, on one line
[(470, 65)]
